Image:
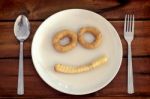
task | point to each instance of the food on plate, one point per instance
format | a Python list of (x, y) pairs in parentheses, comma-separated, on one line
[(74, 37), (83, 68), (61, 35), (97, 37)]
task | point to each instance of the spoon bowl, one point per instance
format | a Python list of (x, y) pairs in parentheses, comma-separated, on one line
[(22, 28)]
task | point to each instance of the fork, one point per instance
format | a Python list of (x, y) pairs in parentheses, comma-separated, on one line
[(129, 35)]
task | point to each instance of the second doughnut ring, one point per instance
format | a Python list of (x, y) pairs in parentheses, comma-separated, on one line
[(97, 37)]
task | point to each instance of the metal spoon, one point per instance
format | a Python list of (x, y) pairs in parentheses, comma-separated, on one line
[(21, 31)]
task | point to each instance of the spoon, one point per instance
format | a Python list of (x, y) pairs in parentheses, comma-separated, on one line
[(21, 31)]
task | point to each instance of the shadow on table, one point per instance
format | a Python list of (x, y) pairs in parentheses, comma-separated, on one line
[(121, 4)]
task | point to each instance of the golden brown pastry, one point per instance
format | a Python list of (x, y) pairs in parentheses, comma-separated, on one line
[(83, 68), (95, 32), (62, 34)]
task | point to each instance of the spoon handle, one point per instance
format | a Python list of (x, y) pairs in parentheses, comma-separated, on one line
[(20, 89)]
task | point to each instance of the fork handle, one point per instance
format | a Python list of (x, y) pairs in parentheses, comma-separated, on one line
[(20, 88), (130, 71)]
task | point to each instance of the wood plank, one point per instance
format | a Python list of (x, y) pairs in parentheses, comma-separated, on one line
[(9, 44), (140, 66), (140, 47), (39, 10), (34, 86), (141, 28), (75, 97)]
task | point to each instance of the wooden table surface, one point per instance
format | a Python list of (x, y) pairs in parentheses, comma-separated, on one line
[(37, 11)]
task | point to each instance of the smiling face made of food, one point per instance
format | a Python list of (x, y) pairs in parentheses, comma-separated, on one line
[(74, 38)]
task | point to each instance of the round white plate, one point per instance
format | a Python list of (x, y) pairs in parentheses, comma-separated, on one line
[(45, 56)]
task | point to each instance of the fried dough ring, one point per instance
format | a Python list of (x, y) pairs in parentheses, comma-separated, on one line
[(62, 34), (83, 68), (95, 32)]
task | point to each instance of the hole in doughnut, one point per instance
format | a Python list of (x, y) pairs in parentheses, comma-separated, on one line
[(65, 41), (89, 37)]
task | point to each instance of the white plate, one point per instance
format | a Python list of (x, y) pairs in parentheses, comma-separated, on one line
[(45, 56)]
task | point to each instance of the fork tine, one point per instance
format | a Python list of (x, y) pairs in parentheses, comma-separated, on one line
[(128, 23), (125, 21), (133, 24)]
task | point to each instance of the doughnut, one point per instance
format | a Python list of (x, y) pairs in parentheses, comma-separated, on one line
[(61, 35), (83, 68), (97, 37)]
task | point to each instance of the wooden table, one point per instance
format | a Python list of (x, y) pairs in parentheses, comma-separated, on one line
[(37, 11)]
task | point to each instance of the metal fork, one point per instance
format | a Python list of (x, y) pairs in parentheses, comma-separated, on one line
[(129, 35)]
